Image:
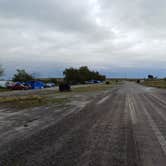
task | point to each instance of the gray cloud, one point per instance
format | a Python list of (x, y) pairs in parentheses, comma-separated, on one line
[(98, 33)]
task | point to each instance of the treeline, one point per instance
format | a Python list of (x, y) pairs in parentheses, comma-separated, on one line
[(71, 76), (81, 75), (23, 76)]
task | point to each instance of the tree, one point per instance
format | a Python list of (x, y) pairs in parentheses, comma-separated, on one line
[(72, 76), (75, 76), (1, 71), (85, 74), (22, 76)]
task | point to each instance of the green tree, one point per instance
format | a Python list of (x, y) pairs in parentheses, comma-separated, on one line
[(75, 76), (85, 74), (22, 76), (72, 76)]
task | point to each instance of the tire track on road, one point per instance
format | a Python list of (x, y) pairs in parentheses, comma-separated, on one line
[(153, 136), (150, 148)]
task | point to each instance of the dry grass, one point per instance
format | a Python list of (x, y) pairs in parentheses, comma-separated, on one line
[(92, 88), (155, 83), (50, 97), (22, 101), (4, 89), (29, 101)]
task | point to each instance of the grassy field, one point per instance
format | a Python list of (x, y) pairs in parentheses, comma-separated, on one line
[(30, 101), (4, 89), (155, 83), (49, 97), (94, 87)]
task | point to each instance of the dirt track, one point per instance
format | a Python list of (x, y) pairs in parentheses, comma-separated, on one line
[(123, 127)]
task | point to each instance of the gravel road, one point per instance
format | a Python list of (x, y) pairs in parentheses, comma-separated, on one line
[(126, 126)]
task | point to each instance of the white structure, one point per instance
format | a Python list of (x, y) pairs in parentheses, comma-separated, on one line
[(3, 84)]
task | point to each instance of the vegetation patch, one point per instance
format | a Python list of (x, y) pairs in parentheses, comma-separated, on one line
[(81, 75), (51, 97), (23, 101), (159, 83), (4, 89), (29, 101), (92, 88)]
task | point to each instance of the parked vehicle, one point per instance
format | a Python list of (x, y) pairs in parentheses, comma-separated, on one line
[(10, 84), (93, 82), (27, 86), (50, 85), (19, 86)]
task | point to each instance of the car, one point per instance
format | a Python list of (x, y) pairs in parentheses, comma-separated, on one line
[(49, 85), (93, 82), (27, 86), (20, 86), (10, 84)]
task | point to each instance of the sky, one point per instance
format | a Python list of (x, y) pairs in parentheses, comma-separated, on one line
[(119, 38)]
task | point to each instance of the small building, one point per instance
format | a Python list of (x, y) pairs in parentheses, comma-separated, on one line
[(36, 84)]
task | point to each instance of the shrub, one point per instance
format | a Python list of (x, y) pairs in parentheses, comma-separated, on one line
[(107, 82)]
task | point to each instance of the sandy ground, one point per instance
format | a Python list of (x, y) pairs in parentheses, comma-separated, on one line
[(123, 126)]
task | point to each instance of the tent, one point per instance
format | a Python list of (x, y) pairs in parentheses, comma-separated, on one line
[(36, 84)]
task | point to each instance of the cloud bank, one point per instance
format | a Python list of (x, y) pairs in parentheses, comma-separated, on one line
[(127, 36)]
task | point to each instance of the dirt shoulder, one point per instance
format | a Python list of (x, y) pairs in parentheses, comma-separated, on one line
[(23, 113), (46, 97)]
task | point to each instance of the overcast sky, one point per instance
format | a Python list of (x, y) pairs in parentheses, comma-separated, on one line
[(116, 37)]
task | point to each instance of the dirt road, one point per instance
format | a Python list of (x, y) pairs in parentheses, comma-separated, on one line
[(124, 127)]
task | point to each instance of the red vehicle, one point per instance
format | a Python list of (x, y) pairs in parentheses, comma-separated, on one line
[(19, 86)]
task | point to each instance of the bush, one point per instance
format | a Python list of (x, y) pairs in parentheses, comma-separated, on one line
[(107, 82), (2, 87), (138, 81), (64, 87)]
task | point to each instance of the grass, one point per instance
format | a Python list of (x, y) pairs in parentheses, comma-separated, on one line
[(159, 83), (93, 88), (30, 101), (45, 98), (4, 89), (22, 101)]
